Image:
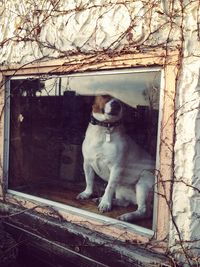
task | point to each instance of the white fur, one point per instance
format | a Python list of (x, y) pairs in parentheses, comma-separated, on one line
[(126, 167)]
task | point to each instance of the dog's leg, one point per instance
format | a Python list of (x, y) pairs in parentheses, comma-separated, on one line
[(106, 200), (89, 176), (142, 191), (141, 210)]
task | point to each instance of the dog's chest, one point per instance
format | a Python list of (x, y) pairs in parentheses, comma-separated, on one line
[(99, 151)]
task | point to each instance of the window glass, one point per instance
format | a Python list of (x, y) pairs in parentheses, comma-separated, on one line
[(48, 121)]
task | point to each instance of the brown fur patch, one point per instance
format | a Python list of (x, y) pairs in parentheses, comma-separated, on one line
[(99, 103)]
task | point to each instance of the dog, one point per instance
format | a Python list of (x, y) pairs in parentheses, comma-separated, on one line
[(110, 153)]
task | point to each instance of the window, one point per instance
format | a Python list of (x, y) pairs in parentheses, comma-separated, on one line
[(48, 121)]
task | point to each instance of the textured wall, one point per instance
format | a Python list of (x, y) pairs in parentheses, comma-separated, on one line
[(186, 189), (58, 28)]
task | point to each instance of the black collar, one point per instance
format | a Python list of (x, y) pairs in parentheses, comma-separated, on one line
[(105, 124)]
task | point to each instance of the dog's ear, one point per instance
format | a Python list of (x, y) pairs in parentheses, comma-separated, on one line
[(97, 106), (99, 103)]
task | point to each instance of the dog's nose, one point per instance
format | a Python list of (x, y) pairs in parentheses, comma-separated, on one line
[(113, 107)]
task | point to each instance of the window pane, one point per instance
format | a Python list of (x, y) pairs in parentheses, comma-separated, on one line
[(48, 122)]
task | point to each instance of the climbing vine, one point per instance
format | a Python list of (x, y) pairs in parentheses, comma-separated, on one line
[(41, 31)]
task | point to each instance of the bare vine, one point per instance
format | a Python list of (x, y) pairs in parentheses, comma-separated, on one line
[(148, 26)]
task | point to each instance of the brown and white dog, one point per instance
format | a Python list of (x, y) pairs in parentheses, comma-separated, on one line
[(117, 159)]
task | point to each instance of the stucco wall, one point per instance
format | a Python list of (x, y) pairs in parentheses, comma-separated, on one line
[(186, 197), (46, 31)]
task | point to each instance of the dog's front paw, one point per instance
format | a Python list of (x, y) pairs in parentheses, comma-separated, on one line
[(104, 206), (83, 195)]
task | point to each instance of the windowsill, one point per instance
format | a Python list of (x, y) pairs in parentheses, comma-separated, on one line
[(79, 216), (80, 244)]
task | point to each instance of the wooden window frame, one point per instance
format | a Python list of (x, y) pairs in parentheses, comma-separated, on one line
[(168, 63)]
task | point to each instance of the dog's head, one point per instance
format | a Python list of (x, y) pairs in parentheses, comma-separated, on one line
[(107, 108)]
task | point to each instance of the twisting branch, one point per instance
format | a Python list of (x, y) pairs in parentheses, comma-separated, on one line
[(148, 25)]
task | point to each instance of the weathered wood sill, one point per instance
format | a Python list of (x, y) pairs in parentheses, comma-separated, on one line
[(61, 241)]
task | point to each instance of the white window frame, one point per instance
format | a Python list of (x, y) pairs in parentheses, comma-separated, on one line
[(105, 219), (167, 64)]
